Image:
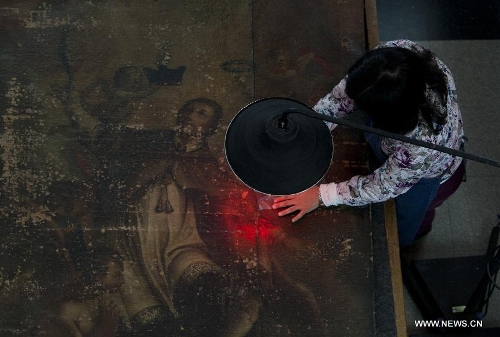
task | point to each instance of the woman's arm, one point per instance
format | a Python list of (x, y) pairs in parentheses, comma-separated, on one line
[(336, 103), (398, 174)]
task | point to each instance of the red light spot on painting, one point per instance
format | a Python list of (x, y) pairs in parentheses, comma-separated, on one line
[(263, 232), (248, 225)]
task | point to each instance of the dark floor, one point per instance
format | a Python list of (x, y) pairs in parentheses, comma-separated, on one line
[(466, 36), (439, 19)]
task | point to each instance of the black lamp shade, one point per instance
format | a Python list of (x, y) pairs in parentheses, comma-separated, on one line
[(276, 151)]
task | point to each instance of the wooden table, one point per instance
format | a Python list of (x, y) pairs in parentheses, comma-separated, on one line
[(95, 91)]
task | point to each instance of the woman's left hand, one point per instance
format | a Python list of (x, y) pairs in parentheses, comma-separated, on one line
[(303, 202)]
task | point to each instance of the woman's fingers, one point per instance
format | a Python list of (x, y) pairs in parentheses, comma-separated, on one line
[(287, 211), (283, 203), (298, 216), (303, 202), (283, 198)]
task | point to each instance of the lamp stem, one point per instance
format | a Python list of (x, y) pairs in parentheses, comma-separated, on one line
[(396, 136)]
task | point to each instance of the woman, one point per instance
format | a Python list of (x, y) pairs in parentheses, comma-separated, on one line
[(403, 88)]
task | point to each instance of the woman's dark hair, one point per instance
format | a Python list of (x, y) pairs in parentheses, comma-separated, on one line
[(390, 85)]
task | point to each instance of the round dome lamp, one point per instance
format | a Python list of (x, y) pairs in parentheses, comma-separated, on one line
[(275, 150)]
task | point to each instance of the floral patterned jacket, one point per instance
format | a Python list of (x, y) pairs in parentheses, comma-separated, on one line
[(406, 163)]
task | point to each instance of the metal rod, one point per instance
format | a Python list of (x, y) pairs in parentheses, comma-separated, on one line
[(402, 138)]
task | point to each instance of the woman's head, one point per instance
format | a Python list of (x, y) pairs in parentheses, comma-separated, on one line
[(389, 84)]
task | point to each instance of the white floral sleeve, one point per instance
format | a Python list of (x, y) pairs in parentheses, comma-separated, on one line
[(403, 169), (335, 104)]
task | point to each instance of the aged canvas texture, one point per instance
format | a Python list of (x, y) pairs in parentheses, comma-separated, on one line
[(119, 215)]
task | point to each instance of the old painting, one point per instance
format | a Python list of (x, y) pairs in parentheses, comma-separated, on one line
[(119, 214)]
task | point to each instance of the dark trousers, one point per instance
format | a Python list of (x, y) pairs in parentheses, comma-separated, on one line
[(415, 209), (445, 190)]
